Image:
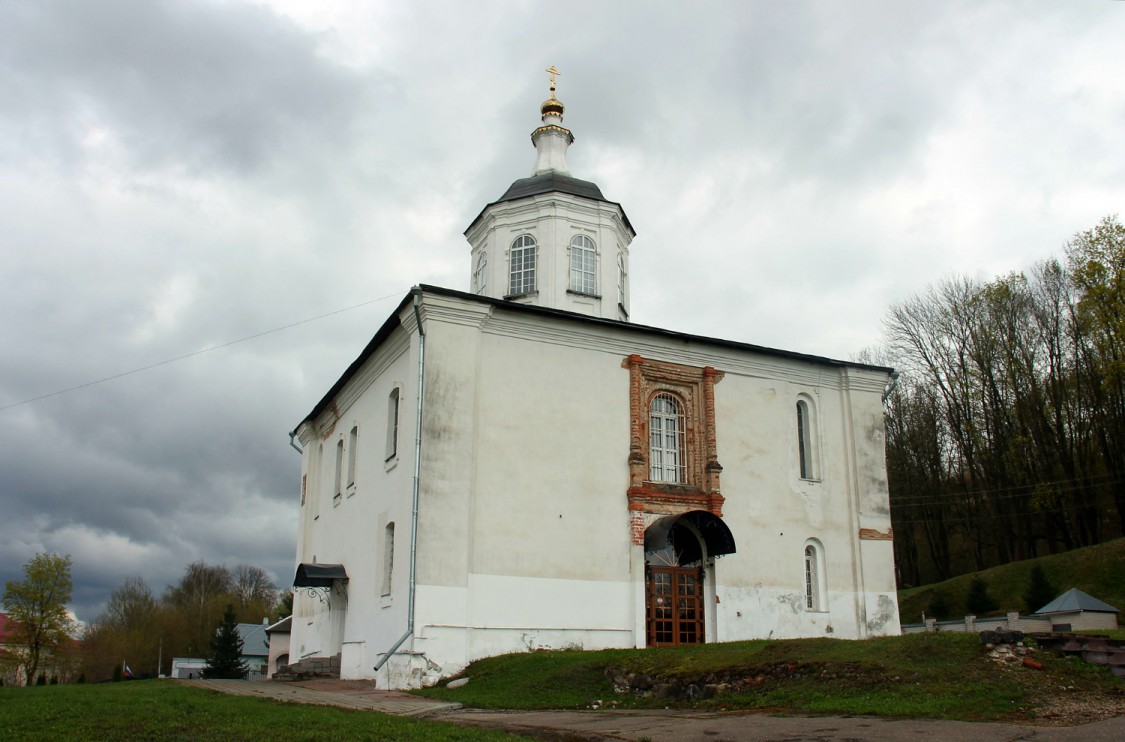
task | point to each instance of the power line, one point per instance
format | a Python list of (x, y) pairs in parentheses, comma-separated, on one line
[(197, 352), (1058, 486)]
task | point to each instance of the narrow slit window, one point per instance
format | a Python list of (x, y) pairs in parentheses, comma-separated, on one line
[(621, 280), (339, 466), (388, 558), (807, 457), (813, 597), (392, 424), (353, 439)]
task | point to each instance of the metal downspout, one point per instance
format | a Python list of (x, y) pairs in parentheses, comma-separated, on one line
[(296, 448), (417, 479)]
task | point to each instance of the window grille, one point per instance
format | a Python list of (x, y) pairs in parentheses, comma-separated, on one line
[(522, 257), (666, 440), (583, 265)]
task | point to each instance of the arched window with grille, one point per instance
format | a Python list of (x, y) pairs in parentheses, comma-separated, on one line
[(814, 576), (522, 261), (666, 439), (583, 265)]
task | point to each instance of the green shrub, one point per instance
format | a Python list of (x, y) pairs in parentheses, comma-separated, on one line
[(979, 602)]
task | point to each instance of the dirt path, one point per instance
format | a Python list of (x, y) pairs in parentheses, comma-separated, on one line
[(662, 725)]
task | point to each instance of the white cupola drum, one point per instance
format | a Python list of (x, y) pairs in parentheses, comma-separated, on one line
[(553, 240)]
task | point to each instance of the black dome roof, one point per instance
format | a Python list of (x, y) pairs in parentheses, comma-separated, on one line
[(551, 181)]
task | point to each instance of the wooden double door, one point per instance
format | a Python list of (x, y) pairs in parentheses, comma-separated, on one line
[(674, 605)]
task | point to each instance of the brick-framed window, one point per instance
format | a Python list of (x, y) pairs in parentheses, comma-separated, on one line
[(666, 430), (673, 466)]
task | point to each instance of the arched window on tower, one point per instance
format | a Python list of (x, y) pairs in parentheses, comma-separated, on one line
[(583, 265), (666, 439), (480, 276), (621, 279), (522, 258)]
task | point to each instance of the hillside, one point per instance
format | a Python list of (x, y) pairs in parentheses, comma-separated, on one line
[(938, 676), (1097, 570)]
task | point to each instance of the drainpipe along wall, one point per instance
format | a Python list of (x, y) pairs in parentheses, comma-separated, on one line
[(417, 471)]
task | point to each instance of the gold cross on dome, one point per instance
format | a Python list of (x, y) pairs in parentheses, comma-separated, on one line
[(553, 72)]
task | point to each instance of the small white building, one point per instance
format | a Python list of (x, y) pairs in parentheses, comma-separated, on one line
[(255, 650), (521, 467), (278, 635)]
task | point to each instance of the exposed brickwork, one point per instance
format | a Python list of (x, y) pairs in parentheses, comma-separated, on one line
[(695, 388), (872, 534)]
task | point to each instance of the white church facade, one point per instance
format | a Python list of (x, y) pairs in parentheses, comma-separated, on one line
[(521, 467)]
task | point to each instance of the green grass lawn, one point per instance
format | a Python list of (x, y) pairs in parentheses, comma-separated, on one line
[(939, 676), (166, 710)]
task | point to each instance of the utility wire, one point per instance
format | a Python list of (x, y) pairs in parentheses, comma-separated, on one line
[(196, 353), (1059, 486)]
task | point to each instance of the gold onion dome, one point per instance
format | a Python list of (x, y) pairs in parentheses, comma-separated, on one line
[(552, 106)]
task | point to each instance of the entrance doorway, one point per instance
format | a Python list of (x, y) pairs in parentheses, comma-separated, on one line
[(674, 590)]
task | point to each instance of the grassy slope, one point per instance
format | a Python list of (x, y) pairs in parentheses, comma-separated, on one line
[(166, 710), (922, 675), (1097, 570)]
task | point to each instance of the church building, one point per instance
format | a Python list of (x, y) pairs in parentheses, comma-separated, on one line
[(520, 466)]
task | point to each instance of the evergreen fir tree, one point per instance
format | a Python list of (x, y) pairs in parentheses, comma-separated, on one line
[(979, 602), (939, 607), (1039, 591), (226, 651)]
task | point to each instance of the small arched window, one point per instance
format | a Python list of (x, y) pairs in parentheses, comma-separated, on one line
[(814, 575), (583, 265), (480, 276), (807, 462), (666, 439), (522, 258)]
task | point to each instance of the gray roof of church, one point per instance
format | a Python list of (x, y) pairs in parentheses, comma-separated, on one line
[(393, 322), (1076, 600), (552, 182)]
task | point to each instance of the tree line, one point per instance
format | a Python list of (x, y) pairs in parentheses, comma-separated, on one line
[(1006, 427), (146, 632), (136, 628)]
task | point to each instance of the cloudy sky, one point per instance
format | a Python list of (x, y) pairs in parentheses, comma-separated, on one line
[(178, 176)]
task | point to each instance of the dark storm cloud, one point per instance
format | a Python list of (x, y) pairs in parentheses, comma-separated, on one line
[(201, 86)]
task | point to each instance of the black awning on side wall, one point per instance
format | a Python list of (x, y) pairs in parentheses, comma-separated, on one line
[(319, 575)]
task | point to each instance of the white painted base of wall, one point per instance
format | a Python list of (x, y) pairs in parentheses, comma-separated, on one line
[(499, 614)]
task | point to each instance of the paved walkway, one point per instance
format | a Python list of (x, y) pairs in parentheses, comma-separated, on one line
[(660, 725), (349, 694)]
